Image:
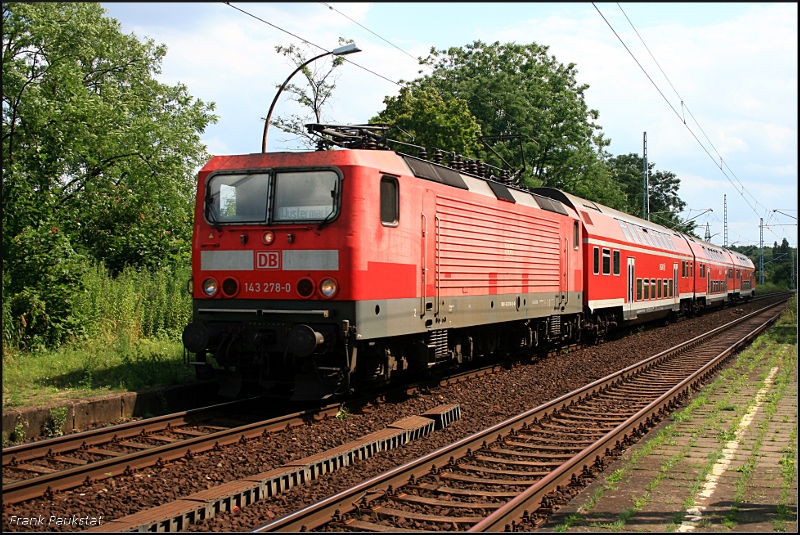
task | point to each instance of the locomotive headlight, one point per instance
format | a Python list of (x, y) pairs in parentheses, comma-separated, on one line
[(328, 287), (210, 287), (268, 237)]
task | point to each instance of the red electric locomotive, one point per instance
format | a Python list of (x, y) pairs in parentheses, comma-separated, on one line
[(316, 273)]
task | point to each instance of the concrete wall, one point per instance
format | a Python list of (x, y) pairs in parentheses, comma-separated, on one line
[(112, 408)]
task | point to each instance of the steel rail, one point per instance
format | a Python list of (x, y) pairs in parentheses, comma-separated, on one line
[(517, 511), (48, 483), (334, 506), (25, 489), (42, 448)]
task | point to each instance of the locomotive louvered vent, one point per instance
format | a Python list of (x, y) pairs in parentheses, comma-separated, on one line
[(551, 205), (501, 192), (438, 338), (555, 325), (429, 171)]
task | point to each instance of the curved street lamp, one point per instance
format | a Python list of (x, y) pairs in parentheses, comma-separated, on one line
[(341, 51)]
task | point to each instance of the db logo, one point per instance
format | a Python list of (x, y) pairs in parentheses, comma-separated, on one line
[(268, 260)]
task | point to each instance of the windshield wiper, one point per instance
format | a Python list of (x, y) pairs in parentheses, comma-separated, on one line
[(211, 212), (330, 216)]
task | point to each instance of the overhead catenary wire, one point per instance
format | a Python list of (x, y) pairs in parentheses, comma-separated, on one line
[(370, 31), (719, 165), (684, 105), (477, 96), (310, 43)]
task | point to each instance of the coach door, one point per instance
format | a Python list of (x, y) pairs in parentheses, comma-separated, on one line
[(631, 286), (676, 299), (429, 264)]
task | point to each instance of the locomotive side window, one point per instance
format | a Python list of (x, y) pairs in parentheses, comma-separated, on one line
[(616, 262), (237, 198), (305, 196), (390, 201), (596, 258), (606, 261), (576, 236)]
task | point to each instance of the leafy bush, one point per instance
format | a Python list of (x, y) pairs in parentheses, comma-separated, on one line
[(45, 281)]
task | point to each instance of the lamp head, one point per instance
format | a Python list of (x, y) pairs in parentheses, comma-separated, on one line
[(349, 48)]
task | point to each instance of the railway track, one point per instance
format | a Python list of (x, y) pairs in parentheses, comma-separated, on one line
[(44, 467), (41, 468), (512, 475), (38, 468)]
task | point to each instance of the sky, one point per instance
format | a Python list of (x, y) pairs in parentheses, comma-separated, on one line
[(714, 85)]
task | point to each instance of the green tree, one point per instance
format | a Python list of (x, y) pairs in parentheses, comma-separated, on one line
[(518, 92), (432, 120), (665, 204), (313, 96), (94, 147)]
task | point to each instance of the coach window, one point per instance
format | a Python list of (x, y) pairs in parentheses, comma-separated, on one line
[(390, 201), (596, 255), (658, 284), (606, 261), (638, 289), (646, 289), (666, 291), (691, 270), (702, 271), (670, 288), (616, 262)]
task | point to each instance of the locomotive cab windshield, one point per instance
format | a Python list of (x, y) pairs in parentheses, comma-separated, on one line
[(277, 196)]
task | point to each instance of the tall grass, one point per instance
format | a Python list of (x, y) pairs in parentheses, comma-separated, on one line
[(136, 304), (133, 324)]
